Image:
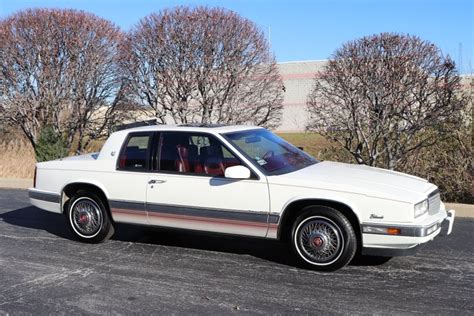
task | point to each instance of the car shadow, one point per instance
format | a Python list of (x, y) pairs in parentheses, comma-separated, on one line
[(32, 217), (56, 224), (270, 250)]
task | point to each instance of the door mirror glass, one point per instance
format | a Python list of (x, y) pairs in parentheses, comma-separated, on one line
[(237, 172)]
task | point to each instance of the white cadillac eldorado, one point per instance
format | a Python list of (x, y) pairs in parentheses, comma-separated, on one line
[(245, 181)]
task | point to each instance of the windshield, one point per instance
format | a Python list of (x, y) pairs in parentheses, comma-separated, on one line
[(269, 152)]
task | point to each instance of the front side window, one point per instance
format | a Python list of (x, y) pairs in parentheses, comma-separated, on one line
[(135, 154), (194, 153), (269, 152)]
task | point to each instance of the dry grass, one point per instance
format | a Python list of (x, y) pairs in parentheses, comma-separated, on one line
[(17, 159), (312, 143)]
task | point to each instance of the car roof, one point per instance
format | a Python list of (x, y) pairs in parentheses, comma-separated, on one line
[(210, 128)]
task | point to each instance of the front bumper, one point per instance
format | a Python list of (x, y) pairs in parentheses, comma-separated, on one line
[(408, 240)]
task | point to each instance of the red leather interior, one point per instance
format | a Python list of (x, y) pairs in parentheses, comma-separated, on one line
[(123, 160), (213, 164), (214, 168), (196, 164), (230, 162), (182, 163), (198, 167), (179, 154)]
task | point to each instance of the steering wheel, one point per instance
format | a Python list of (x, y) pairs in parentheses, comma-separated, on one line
[(269, 154)]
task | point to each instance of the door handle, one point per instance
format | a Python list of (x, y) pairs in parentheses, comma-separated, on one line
[(156, 181)]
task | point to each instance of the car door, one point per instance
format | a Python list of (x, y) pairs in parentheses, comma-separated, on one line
[(189, 190), (127, 185)]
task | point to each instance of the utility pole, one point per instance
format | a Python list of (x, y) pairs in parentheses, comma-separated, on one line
[(460, 68), (269, 36)]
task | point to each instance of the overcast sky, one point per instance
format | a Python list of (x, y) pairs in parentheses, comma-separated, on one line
[(311, 29)]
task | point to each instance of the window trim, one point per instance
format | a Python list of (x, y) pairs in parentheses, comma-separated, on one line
[(157, 151), (149, 152)]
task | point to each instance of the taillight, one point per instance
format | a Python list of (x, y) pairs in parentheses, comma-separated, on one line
[(34, 179)]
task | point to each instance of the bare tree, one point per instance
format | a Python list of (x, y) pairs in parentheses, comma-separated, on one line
[(59, 69), (385, 97), (449, 162), (204, 65)]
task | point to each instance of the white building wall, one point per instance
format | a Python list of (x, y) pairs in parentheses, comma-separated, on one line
[(298, 78)]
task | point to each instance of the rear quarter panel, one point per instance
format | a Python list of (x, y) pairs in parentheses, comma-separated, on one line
[(118, 185)]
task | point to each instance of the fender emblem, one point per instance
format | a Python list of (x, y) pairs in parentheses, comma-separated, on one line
[(375, 216)]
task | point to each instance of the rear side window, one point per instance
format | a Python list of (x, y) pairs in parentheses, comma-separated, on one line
[(136, 153)]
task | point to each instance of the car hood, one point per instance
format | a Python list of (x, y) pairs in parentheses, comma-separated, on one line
[(359, 179)]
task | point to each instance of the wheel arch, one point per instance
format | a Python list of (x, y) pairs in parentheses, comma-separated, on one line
[(294, 208), (71, 188)]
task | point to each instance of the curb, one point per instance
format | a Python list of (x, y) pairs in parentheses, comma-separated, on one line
[(462, 210), (15, 183)]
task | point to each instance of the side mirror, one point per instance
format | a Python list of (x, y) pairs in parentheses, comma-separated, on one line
[(237, 172)]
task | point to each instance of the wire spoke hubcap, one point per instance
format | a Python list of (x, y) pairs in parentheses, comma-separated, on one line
[(86, 217), (320, 240)]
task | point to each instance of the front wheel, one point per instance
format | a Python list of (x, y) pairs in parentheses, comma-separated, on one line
[(323, 238), (88, 217)]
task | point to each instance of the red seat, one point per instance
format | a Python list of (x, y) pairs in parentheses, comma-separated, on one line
[(198, 167), (213, 164), (182, 163), (230, 162), (194, 161)]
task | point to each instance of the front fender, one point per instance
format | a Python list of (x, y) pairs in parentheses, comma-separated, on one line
[(282, 205)]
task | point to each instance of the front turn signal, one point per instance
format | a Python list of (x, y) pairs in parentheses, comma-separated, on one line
[(393, 231)]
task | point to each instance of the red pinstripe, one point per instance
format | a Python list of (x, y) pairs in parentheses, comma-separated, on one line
[(192, 218)]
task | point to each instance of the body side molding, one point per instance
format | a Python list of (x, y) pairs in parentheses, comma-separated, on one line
[(196, 213)]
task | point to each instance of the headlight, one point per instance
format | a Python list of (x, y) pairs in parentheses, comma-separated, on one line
[(421, 208)]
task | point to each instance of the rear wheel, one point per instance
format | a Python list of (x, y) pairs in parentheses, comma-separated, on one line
[(323, 238), (88, 217)]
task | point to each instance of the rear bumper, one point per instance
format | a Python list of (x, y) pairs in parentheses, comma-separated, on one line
[(410, 240), (48, 201)]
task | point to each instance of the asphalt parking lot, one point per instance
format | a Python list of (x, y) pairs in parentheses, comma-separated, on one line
[(44, 270)]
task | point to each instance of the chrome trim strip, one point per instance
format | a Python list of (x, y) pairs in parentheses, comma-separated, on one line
[(44, 196), (207, 212), (127, 205), (415, 231), (436, 191), (211, 213), (434, 202)]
